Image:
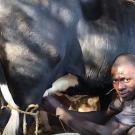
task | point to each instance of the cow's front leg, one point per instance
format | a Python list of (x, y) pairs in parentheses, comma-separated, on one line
[(62, 84)]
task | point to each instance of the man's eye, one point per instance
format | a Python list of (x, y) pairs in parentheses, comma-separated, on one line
[(126, 80), (115, 81), (121, 80)]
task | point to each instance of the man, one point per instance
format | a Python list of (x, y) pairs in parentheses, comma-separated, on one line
[(121, 111)]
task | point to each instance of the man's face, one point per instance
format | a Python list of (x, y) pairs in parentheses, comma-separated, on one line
[(124, 81)]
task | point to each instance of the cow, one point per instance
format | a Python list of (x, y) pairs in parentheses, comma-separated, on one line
[(44, 42)]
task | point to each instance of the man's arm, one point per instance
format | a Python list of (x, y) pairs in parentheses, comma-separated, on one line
[(82, 122), (99, 117), (79, 123)]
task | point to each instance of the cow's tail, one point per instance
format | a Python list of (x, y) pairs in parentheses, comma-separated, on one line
[(13, 123)]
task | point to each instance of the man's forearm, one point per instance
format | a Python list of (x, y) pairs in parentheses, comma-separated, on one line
[(95, 116), (78, 125)]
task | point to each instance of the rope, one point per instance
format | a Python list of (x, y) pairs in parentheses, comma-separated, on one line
[(33, 107), (62, 125), (109, 91)]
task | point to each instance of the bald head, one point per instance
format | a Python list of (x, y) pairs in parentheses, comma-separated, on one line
[(124, 59)]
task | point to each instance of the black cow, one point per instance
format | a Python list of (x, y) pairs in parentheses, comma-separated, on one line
[(39, 43)]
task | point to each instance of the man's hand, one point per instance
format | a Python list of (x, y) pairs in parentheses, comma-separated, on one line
[(50, 103)]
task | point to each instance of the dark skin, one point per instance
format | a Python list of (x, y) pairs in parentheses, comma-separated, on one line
[(123, 75)]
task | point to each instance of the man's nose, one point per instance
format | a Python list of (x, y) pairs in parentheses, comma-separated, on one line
[(121, 85)]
